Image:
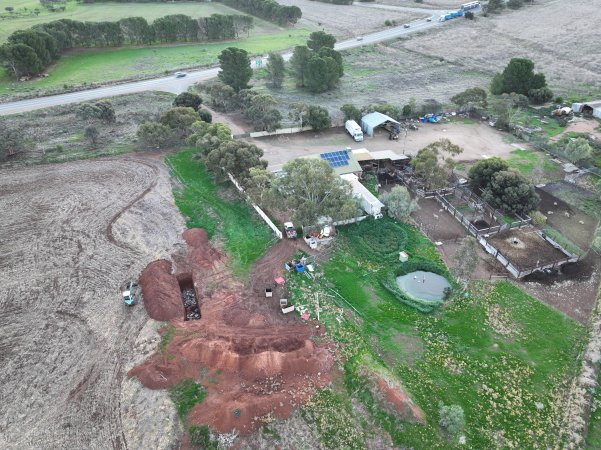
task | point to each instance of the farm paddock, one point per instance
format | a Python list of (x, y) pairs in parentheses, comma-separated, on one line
[(73, 235)]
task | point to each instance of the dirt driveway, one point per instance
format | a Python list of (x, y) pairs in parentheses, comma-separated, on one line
[(478, 141), (72, 235)]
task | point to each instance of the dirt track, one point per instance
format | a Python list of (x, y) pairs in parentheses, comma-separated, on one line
[(67, 340)]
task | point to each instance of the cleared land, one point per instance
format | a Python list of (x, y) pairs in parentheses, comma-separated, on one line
[(386, 73), (344, 21), (478, 140), (560, 37), (98, 12), (57, 134), (74, 234)]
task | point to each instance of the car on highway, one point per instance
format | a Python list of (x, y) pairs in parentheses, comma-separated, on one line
[(429, 19), (180, 74), (406, 25), (360, 38)]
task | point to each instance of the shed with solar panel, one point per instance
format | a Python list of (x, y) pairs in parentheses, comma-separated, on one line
[(342, 161)]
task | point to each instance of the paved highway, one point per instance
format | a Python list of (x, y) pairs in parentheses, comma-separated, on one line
[(177, 85)]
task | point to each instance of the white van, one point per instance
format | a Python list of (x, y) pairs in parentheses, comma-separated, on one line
[(354, 130)]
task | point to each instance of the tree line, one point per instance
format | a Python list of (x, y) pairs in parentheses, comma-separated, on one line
[(269, 10), (29, 52)]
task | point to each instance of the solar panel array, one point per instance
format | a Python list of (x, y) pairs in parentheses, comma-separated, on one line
[(336, 159)]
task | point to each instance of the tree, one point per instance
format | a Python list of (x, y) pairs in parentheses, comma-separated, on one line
[(494, 6), (235, 157), (322, 73), (578, 150), (469, 15), (470, 99), (452, 419), (102, 110), (426, 165), (258, 185), (91, 134), (336, 56), (205, 115), (298, 112), (20, 60), (11, 141), (208, 136), (10, 9), (399, 203), (540, 96), (298, 63), (515, 4), (276, 70), (263, 114), (188, 100), (518, 77), (180, 119), (235, 68), (223, 97), (156, 135), (351, 112), (44, 45), (506, 108), (481, 173), (319, 39), (312, 189), (465, 258), (431, 106), (510, 192), (318, 118)]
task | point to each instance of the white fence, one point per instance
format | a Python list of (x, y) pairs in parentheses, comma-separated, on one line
[(261, 213), (290, 130)]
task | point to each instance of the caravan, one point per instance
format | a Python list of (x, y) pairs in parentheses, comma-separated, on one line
[(354, 130)]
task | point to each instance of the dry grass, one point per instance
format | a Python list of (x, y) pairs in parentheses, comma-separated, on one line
[(560, 37)]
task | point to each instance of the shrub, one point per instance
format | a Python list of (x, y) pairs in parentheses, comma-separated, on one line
[(452, 419), (205, 115), (538, 218)]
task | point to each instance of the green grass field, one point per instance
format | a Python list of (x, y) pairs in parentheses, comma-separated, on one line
[(94, 66), (500, 354), (527, 160), (245, 236), (98, 12)]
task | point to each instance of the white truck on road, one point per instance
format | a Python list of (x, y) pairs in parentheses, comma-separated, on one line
[(354, 130)]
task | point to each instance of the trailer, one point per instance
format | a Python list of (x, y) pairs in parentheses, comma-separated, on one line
[(470, 5), (451, 15)]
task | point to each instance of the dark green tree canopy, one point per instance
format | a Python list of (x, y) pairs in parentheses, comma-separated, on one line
[(235, 157), (235, 68), (481, 173), (475, 97), (319, 39), (322, 73), (276, 70), (180, 118), (312, 189), (318, 118), (188, 100), (155, 135), (298, 63), (351, 112), (20, 60), (510, 192), (518, 77)]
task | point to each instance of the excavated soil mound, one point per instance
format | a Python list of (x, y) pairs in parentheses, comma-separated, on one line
[(252, 366), (397, 399), (162, 296)]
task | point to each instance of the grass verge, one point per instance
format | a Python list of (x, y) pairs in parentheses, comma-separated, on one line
[(245, 236), (103, 65), (186, 395)]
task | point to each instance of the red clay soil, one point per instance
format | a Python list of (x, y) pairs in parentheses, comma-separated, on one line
[(253, 365), (398, 400), (161, 291)]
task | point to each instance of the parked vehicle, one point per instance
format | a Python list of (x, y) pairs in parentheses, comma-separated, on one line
[(290, 230), (129, 295), (354, 130), (406, 25), (180, 74), (451, 15), (470, 5)]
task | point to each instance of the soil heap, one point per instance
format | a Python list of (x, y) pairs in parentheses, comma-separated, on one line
[(254, 361)]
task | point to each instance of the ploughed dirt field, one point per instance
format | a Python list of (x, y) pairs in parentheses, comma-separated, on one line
[(344, 21), (561, 37), (72, 235)]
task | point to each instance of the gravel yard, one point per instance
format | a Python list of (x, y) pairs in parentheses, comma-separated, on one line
[(73, 235)]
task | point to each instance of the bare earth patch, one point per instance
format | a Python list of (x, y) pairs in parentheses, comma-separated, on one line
[(73, 235)]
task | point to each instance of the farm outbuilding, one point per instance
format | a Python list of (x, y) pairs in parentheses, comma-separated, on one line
[(369, 202), (375, 119), (590, 108), (342, 161)]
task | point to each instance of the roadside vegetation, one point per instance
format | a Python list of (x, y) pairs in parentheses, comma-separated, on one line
[(219, 210)]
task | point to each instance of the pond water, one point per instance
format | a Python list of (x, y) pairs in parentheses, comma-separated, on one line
[(423, 285)]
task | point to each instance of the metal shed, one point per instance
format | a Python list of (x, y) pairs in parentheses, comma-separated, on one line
[(590, 108), (373, 120)]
